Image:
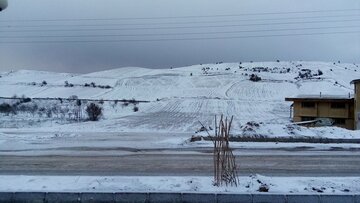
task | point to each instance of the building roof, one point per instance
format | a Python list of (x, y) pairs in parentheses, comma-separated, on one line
[(355, 81), (318, 97)]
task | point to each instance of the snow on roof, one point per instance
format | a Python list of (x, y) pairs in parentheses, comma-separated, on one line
[(326, 96), (355, 81), (322, 97)]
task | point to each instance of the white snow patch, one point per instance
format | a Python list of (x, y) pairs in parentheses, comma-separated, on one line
[(308, 185)]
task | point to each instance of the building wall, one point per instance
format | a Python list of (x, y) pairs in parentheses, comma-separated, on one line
[(357, 106), (324, 110), (296, 119), (299, 111), (349, 124)]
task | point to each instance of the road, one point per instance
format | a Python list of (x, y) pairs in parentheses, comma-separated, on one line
[(94, 153), (187, 163)]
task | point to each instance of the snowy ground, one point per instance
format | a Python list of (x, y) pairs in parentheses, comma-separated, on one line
[(30, 143), (181, 97), (251, 184), (178, 99)]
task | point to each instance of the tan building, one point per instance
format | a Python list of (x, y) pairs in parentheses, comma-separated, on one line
[(356, 103), (341, 111)]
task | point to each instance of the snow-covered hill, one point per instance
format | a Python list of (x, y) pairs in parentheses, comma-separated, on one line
[(181, 97)]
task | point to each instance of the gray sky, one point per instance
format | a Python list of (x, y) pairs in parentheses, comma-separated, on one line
[(65, 56)]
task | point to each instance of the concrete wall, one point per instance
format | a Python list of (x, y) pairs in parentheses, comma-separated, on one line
[(21, 197)]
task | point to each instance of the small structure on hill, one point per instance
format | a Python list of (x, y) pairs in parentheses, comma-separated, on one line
[(328, 110)]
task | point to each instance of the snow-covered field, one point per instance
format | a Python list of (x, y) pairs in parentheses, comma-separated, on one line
[(250, 184), (181, 97), (178, 99)]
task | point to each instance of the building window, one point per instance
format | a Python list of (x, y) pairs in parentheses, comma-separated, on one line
[(308, 104), (339, 121), (307, 118), (338, 105)]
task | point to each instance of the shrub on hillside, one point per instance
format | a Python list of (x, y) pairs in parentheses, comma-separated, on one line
[(6, 108), (136, 109), (73, 97), (94, 111), (25, 100), (67, 84), (78, 102), (255, 78)]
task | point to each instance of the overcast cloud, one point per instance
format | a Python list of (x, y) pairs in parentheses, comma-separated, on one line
[(92, 56)]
